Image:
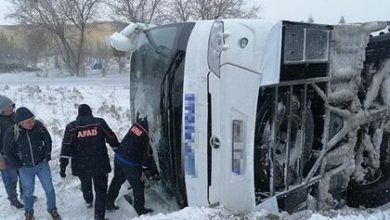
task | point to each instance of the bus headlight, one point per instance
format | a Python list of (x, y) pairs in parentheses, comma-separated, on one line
[(216, 42)]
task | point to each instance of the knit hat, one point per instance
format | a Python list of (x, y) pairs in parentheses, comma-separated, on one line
[(4, 102), (23, 114), (84, 110)]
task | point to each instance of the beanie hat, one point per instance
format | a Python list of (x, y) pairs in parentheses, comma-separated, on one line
[(4, 102), (84, 110), (23, 114)]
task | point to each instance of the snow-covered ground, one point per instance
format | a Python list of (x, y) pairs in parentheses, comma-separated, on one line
[(54, 101)]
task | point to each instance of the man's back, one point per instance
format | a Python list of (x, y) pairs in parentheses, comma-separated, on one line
[(134, 144), (85, 141)]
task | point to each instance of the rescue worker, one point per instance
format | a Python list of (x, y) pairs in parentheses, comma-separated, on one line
[(133, 157), (84, 142), (27, 145), (9, 172)]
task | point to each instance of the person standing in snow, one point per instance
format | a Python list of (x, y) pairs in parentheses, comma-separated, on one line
[(9, 172), (27, 145), (132, 159), (84, 143)]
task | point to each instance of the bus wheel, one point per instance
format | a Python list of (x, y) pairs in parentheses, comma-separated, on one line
[(372, 194), (265, 118)]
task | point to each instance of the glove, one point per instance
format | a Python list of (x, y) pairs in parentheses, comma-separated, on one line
[(154, 176), (157, 177), (63, 172)]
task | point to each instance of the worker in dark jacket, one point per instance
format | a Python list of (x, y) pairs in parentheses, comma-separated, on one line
[(133, 157), (9, 172), (85, 143), (28, 147)]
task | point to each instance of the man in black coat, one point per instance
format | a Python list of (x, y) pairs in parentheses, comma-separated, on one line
[(9, 172), (132, 159), (85, 143)]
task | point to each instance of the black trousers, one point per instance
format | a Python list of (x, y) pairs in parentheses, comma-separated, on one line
[(100, 187), (131, 174), (116, 183)]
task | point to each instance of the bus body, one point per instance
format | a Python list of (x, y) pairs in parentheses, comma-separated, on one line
[(251, 114)]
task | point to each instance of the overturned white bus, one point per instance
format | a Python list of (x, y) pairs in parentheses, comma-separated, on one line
[(251, 114)]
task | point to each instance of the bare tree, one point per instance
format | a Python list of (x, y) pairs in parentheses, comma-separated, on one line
[(144, 11), (79, 12), (180, 10), (215, 9), (44, 15), (36, 44), (64, 19)]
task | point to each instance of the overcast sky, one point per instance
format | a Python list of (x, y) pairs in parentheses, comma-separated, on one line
[(326, 11), (323, 11), (4, 9)]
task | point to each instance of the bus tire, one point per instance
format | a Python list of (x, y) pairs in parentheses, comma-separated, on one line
[(370, 195), (265, 117)]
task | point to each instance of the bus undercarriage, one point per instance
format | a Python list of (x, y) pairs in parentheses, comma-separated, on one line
[(325, 134)]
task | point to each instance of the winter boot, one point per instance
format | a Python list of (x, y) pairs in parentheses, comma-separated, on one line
[(88, 201), (100, 218), (17, 204), (29, 216), (144, 211), (54, 214), (112, 207)]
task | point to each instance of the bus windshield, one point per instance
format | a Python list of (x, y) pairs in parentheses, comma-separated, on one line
[(152, 52), (150, 58), (156, 91)]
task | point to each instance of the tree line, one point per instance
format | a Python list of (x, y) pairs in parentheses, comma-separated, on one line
[(64, 22)]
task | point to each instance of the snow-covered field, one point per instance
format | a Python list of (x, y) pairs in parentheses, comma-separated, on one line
[(54, 101)]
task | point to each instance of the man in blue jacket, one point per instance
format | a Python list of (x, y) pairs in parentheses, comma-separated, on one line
[(132, 159), (9, 172), (85, 143), (27, 145)]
